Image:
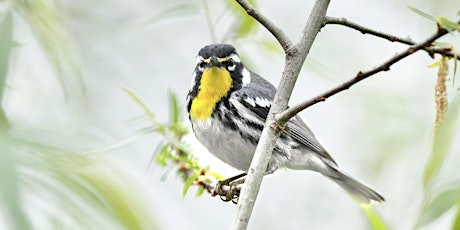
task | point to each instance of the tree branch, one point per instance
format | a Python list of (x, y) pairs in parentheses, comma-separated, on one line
[(292, 111), (295, 57), (279, 34), (392, 38)]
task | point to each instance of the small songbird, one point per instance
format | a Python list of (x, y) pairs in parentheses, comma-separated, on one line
[(227, 107)]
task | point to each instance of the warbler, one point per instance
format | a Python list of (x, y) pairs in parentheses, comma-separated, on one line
[(227, 107)]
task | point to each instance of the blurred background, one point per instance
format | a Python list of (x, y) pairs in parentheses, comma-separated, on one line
[(73, 154)]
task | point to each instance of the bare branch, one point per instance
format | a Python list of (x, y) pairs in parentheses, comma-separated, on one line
[(392, 38), (292, 111), (295, 57), (279, 34), (365, 30)]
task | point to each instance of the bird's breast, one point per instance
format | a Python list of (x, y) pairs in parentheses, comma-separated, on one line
[(215, 84)]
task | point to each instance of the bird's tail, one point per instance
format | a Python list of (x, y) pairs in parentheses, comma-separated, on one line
[(356, 189)]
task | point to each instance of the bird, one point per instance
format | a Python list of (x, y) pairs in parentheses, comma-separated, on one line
[(227, 107)]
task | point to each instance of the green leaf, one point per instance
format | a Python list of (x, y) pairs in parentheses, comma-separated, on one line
[(6, 44), (10, 191), (456, 225), (455, 68), (375, 221), (200, 191), (443, 45), (436, 63), (163, 155), (438, 206), (190, 181), (174, 109), (142, 104), (245, 24), (215, 175), (421, 13), (447, 24), (272, 46), (443, 139), (173, 12)]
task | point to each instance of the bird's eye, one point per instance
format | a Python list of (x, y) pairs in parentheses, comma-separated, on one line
[(201, 65), (231, 65)]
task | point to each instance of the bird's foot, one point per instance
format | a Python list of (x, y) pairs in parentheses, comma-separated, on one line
[(230, 188)]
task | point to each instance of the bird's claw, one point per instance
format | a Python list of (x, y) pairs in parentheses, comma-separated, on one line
[(229, 189)]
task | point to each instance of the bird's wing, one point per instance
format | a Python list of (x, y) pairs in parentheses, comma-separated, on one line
[(258, 97), (297, 129)]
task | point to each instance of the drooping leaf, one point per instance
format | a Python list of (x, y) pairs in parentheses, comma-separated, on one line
[(162, 155), (438, 206), (189, 182), (455, 68), (375, 221), (10, 190), (443, 45), (421, 13), (456, 224), (215, 175), (174, 109), (443, 139), (448, 24), (142, 104), (200, 191), (6, 44), (435, 64)]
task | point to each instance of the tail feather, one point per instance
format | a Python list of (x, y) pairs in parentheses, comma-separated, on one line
[(360, 192), (357, 190)]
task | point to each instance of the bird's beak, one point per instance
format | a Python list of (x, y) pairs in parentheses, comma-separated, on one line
[(214, 62)]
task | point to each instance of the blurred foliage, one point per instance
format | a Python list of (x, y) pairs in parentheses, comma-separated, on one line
[(6, 44), (45, 19), (81, 191), (245, 25), (173, 152), (447, 24), (443, 140), (445, 130), (439, 205), (47, 187), (240, 28), (180, 10)]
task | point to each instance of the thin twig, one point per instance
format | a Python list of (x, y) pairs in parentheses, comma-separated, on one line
[(392, 38), (365, 30), (292, 111), (295, 57), (279, 34), (209, 20)]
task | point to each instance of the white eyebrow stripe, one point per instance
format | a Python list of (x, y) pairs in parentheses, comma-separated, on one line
[(201, 59), (235, 58)]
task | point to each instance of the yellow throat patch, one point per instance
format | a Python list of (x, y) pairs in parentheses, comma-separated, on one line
[(215, 84)]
